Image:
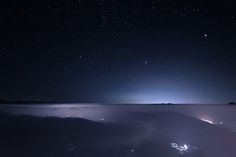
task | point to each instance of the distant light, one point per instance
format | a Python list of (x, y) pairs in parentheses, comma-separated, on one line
[(205, 35), (221, 122), (131, 150), (185, 147), (179, 147), (208, 121)]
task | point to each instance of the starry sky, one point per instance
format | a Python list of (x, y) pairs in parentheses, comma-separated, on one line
[(118, 51)]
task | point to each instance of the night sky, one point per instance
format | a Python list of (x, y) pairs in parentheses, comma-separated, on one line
[(118, 51)]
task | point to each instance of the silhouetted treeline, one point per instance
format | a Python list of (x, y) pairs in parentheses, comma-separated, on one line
[(2, 101)]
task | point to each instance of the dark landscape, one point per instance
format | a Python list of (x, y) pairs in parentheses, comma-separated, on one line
[(117, 78), (133, 133)]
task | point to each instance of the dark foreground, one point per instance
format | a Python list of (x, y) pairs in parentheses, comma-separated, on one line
[(135, 135)]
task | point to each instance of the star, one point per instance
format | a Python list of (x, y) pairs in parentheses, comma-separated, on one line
[(146, 62)]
